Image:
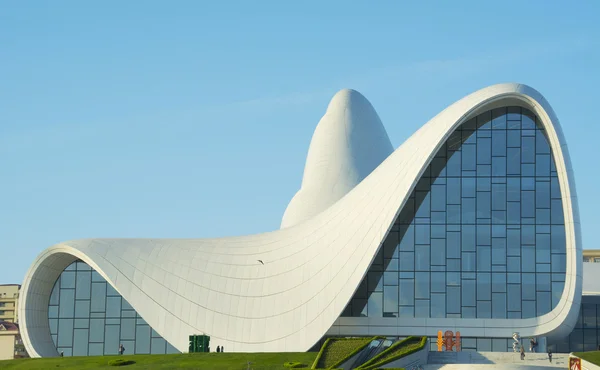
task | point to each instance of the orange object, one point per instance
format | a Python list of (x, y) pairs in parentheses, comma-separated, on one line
[(457, 342), (440, 341), (448, 340)]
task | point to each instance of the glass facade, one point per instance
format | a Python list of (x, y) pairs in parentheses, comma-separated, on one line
[(586, 334), (88, 317), (481, 236)]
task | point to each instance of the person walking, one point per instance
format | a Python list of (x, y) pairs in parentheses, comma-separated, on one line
[(522, 353), (222, 349), (218, 349), (550, 355)]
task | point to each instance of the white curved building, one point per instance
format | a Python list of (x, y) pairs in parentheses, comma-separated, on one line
[(471, 225)]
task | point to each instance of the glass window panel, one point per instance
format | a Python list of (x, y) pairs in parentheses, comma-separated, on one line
[(111, 340), (142, 339), (484, 259), (438, 305), (67, 303), (499, 251), (528, 259), (514, 297), (484, 235), (527, 204), (438, 197), (375, 305), (559, 263), (98, 297), (558, 239), (557, 215), (544, 301), (407, 242), (453, 244), (65, 332), (390, 300), (513, 213), (499, 166), (438, 251), (127, 329), (542, 165), (53, 326), (422, 258), (80, 342), (453, 190), (528, 286), (484, 204), (499, 197), (375, 281), (422, 285), (468, 187), (407, 292), (484, 309), (499, 305), (82, 323), (484, 150), (469, 157), (468, 238), (528, 234), (83, 286), (113, 307), (468, 261), (422, 234), (527, 149), (423, 200), (96, 349), (96, 330), (498, 282), (513, 161), (407, 260), (484, 286), (67, 279), (452, 301), (158, 346), (82, 309), (468, 211), (421, 308), (469, 293), (438, 282)]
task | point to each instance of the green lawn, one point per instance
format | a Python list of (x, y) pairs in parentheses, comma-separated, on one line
[(337, 349), (591, 356), (209, 361)]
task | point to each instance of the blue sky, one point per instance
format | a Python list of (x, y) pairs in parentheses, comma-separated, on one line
[(193, 119)]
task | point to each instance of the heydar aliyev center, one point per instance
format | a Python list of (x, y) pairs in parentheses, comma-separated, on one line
[(471, 225)]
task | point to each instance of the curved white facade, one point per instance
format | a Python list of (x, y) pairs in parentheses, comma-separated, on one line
[(313, 265)]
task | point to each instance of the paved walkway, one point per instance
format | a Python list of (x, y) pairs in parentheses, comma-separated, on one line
[(502, 360)]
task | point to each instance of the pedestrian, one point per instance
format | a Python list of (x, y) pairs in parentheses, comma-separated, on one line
[(550, 355), (531, 345), (222, 349), (62, 354), (218, 349), (522, 353)]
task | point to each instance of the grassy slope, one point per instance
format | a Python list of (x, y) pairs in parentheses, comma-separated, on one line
[(339, 349), (592, 356), (212, 361), (402, 347)]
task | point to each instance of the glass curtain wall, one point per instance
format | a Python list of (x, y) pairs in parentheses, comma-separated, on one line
[(88, 317), (482, 234)]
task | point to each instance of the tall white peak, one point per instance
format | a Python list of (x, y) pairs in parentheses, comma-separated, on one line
[(348, 143)]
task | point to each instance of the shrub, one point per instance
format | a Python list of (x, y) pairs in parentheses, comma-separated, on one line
[(294, 365), (120, 362)]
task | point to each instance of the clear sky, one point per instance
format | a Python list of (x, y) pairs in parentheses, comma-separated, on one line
[(193, 118)]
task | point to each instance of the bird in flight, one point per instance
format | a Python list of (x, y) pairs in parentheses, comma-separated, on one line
[(261, 262)]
